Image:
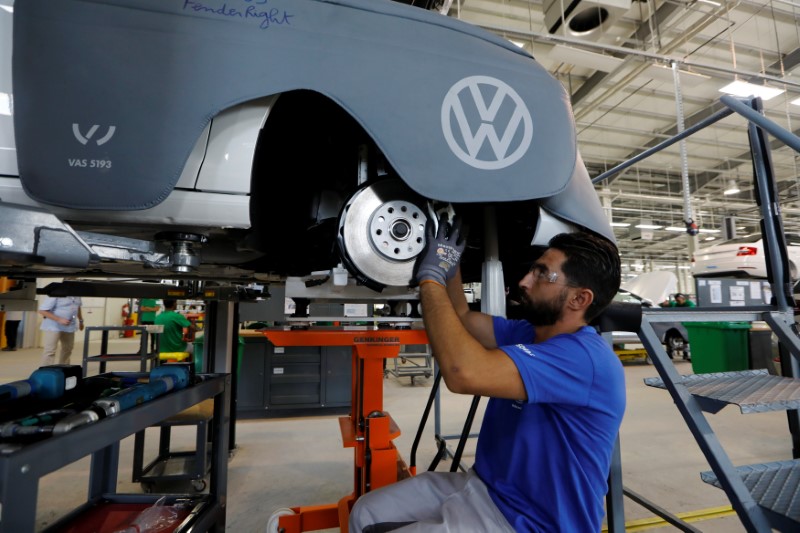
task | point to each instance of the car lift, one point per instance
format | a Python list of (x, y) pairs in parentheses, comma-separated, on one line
[(368, 429)]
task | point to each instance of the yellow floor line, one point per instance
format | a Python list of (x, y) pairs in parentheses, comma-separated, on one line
[(689, 516)]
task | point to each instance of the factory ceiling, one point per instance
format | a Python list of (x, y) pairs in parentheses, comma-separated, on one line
[(616, 60)]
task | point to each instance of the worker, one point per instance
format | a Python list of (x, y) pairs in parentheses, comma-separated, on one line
[(13, 318), (174, 324), (62, 317), (148, 307), (557, 396), (11, 328), (680, 301)]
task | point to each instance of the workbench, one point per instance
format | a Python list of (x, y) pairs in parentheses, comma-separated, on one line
[(21, 469)]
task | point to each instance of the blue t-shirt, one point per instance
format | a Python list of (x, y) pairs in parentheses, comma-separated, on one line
[(546, 461)]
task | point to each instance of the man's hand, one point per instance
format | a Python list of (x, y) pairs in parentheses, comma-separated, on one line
[(439, 261)]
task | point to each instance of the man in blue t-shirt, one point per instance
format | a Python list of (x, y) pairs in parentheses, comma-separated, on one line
[(557, 397)]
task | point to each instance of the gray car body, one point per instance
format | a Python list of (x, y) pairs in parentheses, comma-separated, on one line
[(158, 71)]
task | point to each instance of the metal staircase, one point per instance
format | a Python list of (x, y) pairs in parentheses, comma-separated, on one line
[(765, 496)]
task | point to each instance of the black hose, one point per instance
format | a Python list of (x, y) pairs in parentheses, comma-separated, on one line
[(465, 433), (441, 450), (424, 420)]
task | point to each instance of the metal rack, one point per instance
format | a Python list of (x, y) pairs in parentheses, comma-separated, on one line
[(412, 364), (21, 470), (143, 355), (176, 466)]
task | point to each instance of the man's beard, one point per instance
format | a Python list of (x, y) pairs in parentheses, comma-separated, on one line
[(544, 313)]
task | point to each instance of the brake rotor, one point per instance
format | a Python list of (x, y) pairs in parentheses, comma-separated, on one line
[(381, 232)]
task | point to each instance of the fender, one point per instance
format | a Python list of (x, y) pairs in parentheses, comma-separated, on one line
[(107, 114)]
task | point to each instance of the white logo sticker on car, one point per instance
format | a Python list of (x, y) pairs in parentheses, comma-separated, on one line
[(83, 139), (465, 105)]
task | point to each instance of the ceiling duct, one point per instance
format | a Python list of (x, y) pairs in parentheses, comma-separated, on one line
[(585, 19)]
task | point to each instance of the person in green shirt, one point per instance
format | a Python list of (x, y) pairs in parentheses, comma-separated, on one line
[(680, 301), (148, 307), (174, 323)]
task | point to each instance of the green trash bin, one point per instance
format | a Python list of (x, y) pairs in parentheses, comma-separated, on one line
[(718, 346), (198, 355)]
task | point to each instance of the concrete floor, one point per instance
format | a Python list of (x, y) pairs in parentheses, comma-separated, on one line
[(283, 462)]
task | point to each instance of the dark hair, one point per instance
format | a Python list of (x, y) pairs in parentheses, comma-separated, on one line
[(592, 262), (170, 304), (680, 295)]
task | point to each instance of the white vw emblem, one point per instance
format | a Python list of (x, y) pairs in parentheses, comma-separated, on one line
[(83, 139), (468, 146)]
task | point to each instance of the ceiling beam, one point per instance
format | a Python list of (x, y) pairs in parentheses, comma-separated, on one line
[(790, 61)]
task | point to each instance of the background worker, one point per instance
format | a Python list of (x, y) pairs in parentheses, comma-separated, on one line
[(13, 318), (557, 396), (148, 307), (62, 318), (11, 327), (680, 301), (174, 324)]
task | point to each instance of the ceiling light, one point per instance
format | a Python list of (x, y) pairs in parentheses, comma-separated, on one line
[(648, 226), (712, 2), (709, 231), (674, 228), (684, 267), (743, 88), (710, 239), (732, 188), (620, 224), (796, 101)]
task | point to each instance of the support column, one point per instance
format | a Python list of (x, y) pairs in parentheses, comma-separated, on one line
[(220, 350)]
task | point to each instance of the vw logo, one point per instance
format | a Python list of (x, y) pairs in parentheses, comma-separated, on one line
[(493, 126), (83, 139)]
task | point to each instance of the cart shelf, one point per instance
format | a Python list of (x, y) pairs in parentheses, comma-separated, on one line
[(20, 470)]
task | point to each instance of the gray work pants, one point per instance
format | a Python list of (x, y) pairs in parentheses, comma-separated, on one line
[(433, 501)]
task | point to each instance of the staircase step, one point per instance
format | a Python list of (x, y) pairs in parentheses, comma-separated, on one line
[(754, 391), (774, 486)]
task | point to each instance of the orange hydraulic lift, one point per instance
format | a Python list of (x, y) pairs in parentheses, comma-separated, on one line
[(368, 429)]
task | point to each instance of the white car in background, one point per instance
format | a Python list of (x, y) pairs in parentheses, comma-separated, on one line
[(744, 257)]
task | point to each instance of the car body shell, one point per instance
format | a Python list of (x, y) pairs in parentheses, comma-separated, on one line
[(255, 126)]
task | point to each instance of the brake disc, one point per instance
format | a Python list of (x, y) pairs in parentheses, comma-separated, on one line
[(381, 232)]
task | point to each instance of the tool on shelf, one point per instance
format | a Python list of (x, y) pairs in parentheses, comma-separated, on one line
[(162, 380), (47, 382)]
